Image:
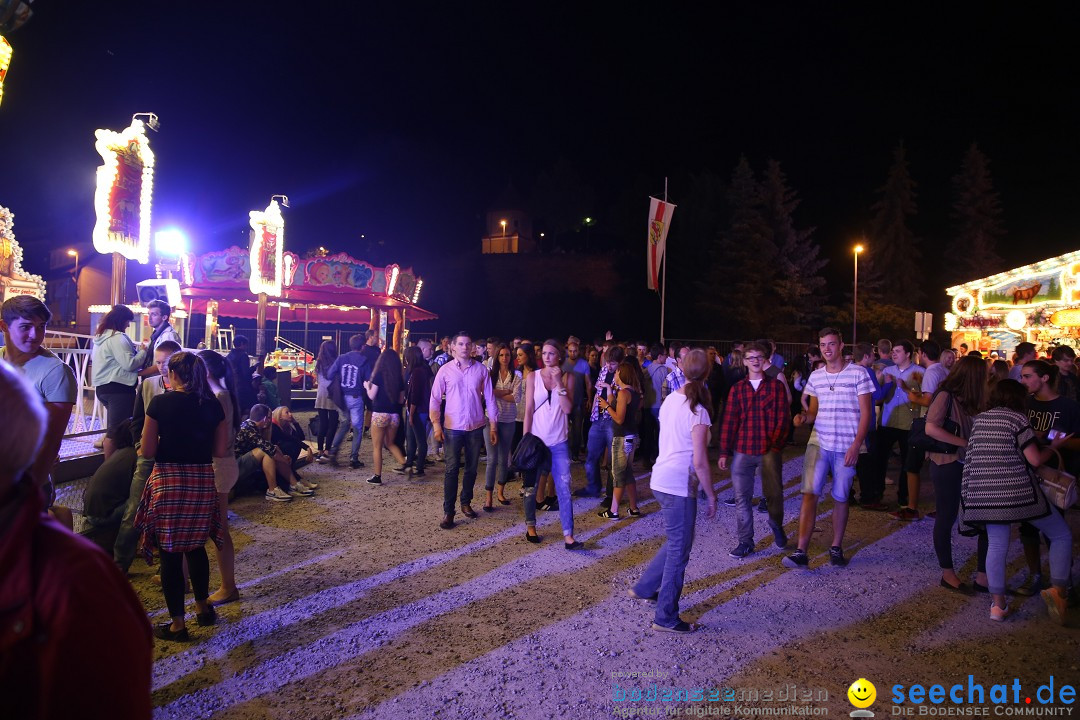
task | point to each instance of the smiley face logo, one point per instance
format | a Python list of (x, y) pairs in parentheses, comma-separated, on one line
[(862, 693)]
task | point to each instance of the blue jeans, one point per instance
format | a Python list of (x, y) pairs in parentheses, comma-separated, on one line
[(743, 468), (560, 474), (1057, 532), (826, 462), (355, 418), (664, 575), (498, 456), (127, 538), (454, 442), (416, 432), (600, 435)]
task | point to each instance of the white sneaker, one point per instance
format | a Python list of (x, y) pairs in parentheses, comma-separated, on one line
[(310, 485), (278, 495), (299, 489)]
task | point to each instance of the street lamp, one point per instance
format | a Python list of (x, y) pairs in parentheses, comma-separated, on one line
[(503, 223), (855, 297), (72, 252)]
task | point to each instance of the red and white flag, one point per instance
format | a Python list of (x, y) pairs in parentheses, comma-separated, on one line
[(660, 214)]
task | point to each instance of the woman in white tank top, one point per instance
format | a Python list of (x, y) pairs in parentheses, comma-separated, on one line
[(548, 403)]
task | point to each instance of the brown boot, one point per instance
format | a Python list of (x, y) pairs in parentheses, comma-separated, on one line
[(447, 522)]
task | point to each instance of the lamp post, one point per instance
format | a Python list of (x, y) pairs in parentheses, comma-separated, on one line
[(855, 297), (72, 252)]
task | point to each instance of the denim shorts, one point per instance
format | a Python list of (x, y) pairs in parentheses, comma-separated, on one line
[(829, 461)]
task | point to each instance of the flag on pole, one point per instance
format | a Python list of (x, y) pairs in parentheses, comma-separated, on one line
[(660, 214)]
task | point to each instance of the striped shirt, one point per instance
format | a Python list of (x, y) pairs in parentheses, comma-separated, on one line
[(837, 421)]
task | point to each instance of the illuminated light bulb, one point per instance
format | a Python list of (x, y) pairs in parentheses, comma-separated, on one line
[(416, 292), (1016, 320)]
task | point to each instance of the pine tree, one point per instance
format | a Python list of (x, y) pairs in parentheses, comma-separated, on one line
[(893, 246), (977, 214), (799, 284), (746, 258)]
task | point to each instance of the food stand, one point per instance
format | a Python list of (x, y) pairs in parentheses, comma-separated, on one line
[(1037, 303)]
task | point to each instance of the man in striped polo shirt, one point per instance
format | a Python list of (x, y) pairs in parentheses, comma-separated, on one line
[(841, 408)]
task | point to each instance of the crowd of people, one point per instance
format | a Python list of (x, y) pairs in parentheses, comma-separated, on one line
[(185, 429)]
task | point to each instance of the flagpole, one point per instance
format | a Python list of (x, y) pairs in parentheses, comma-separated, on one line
[(663, 289)]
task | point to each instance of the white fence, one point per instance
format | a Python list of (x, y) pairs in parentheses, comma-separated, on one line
[(75, 350)]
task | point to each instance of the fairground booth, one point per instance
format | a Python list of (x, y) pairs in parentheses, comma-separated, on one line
[(266, 284), (1037, 303)]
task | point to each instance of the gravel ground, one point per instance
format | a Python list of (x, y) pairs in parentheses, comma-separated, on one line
[(356, 605)]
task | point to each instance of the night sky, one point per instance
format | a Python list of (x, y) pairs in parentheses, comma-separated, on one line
[(404, 124)]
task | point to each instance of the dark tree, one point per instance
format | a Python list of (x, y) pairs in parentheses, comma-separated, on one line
[(976, 213), (743, 270), (893, 249), (799, 284)]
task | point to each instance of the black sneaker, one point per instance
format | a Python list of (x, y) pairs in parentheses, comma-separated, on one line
[(763, 507), (780, 538), (374, 480), (797, 560), (552, 504), (356, 464), (729, 501), (682, 627), (742, 550), (836, 556), (608, 515)]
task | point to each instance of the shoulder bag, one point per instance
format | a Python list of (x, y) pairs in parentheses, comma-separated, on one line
[(918, 438), (1058, 485)]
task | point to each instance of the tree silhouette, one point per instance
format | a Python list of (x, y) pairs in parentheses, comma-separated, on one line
[(895, 248), (798, 282), (976, 212)]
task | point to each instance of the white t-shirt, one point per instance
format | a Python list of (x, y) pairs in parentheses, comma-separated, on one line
[(837, 421), (671, 472)]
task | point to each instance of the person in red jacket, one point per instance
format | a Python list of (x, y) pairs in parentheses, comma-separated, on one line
[(63, 602), (753, 432)]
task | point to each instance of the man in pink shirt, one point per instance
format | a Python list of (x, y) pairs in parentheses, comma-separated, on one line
[(466, 386)]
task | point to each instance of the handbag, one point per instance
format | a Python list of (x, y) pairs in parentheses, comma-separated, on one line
[(1058, 485), (918, 438)]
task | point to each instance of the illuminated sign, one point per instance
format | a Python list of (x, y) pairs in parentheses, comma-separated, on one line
[(951, 322), (124, 189), (1016, 320), (1066, 318), (963, 303), (5, 62), (979, 321), (267, 246), (13, 278)]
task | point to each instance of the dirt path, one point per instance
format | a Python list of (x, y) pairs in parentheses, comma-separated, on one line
[(356, 605)]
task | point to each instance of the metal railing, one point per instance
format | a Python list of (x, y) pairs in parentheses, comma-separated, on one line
[(88, 415)]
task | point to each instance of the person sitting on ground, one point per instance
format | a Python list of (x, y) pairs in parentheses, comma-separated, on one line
[(107, 494), (287, 434), (62, 600), (255, 451), (268, 391)]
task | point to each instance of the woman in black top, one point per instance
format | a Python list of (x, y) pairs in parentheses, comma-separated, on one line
[(386, 390), (184, 430), (418, 379), (625, 415)]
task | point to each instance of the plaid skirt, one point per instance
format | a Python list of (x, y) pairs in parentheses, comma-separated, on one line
[(179, 509)]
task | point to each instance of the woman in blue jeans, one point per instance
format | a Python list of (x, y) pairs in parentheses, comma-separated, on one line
[(1000, 488), (506, 384), (548, 402), (683, 463)]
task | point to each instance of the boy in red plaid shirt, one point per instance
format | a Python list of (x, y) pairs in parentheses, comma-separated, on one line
[(754, 431)]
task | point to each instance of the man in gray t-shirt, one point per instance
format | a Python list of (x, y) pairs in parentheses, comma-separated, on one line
[(23, 320)]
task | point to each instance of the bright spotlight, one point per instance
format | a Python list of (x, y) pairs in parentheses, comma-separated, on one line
[(170, 243)]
